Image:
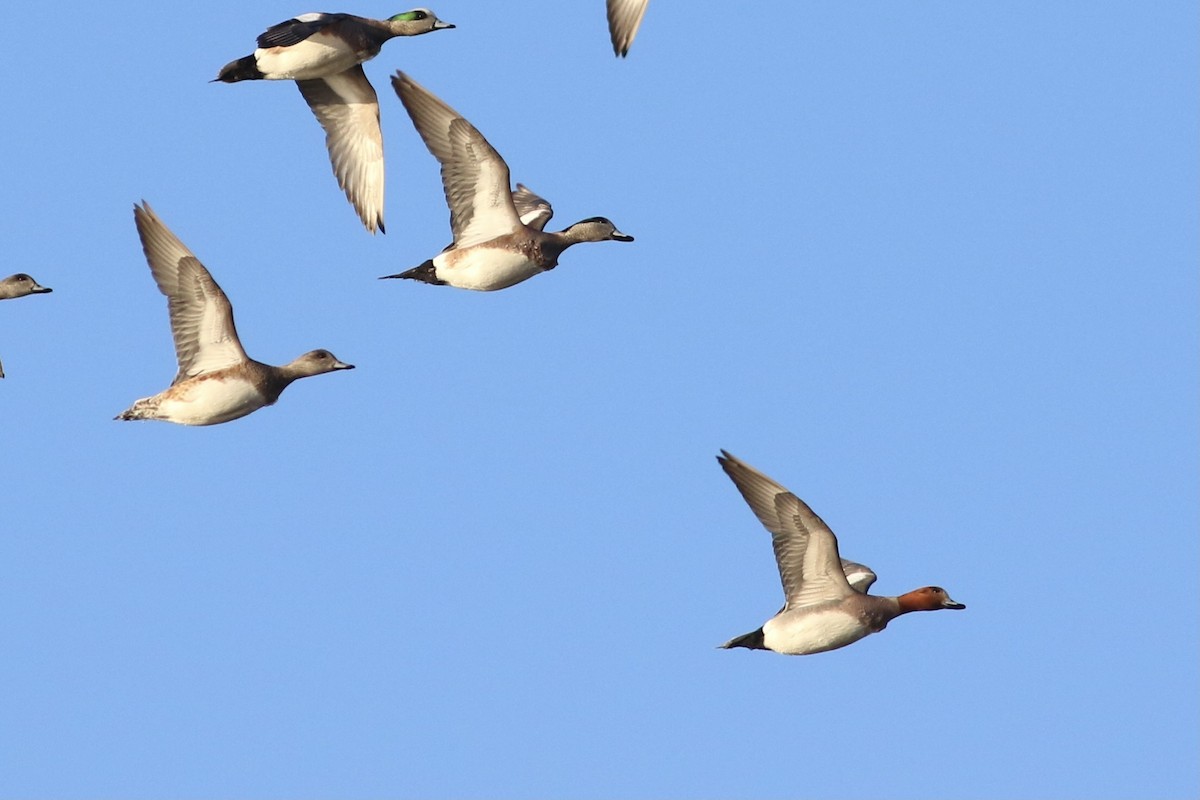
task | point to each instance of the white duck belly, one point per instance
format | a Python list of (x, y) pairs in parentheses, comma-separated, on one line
[(208, 401), (804, 632), (484, 270), (318, 56)]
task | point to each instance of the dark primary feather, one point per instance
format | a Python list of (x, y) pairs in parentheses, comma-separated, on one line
[(293, 31)]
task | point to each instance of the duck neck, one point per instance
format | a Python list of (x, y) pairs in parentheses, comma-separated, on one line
[(288, 373), (580, 232), (403, 27), (912, 601), (275, 379), (551, 245)]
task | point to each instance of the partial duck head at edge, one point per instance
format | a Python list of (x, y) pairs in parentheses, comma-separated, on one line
[(21, 285), (927, 598)]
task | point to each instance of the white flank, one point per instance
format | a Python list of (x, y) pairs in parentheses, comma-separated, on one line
[(209, 402), (484, 269), (318, 56), (812, 632)]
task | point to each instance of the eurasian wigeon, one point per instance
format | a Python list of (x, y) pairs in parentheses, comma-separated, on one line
[(217, 382), (826, 604), (19, 285), (323, 54), (493, 248)]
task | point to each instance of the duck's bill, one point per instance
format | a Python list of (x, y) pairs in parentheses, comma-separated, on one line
[(41, 290), (948, 603), (343, 365), (442, 25), (621, 237)]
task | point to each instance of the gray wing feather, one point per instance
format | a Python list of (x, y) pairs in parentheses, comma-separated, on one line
[(201, 314), (534, 211), (624, 19), (860, 576), (805, 548), (474, 176)]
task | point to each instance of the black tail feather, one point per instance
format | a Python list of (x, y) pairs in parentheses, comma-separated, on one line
[(244, 69), (751, 641), (426, 273)]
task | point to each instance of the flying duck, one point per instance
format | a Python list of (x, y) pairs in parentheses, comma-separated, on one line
[(323, 54), (217, 382), (493, 248), (826, 601)]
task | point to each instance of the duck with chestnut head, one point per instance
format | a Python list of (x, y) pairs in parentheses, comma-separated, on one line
[(826, 602)]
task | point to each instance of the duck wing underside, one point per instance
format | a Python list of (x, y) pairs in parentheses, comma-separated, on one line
[(348, 109)]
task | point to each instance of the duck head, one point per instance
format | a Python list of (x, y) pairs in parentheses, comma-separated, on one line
[(928, 598), (417, 21), (20, 285), (596, 229), (316, 362)]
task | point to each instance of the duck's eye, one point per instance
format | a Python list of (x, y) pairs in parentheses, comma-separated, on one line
[(419, 15)]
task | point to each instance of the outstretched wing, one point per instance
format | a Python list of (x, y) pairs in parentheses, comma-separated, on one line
[(805, 548), (201, 315), (474, 176)]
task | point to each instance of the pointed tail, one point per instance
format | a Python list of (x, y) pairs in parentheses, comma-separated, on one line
[(244, 69), (751, 641), (426, 273)]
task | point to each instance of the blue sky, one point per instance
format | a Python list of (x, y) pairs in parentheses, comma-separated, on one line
[(931, 266)]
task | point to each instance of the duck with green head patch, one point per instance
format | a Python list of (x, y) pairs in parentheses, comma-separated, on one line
[(323, 54), (499, 239)]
